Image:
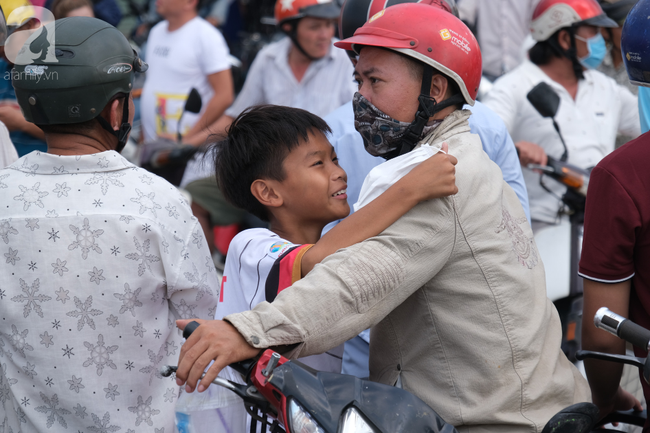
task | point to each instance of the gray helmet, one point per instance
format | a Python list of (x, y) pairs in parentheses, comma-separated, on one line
[(72, 81)]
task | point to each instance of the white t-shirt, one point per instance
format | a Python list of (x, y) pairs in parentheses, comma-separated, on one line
[(8, 154), (179, 61), (589, 124)]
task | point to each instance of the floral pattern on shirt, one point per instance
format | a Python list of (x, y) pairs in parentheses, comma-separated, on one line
[(97, 259)]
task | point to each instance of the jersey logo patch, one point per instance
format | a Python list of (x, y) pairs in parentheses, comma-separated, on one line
[(278, 246)]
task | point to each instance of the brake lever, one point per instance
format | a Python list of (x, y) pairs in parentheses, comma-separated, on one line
[(625, 359)]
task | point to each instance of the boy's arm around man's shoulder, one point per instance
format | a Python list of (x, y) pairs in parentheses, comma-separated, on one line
[(356, 287)]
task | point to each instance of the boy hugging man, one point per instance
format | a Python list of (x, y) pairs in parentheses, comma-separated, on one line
[(277, 164)]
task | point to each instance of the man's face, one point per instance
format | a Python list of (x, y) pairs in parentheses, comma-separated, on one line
[(584, 32), (315, 36), (386, 81)]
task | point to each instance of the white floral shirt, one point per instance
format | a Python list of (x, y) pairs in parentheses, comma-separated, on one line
[(97, 259)]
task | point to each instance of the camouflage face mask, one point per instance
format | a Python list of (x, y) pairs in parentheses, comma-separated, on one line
[(381, 134)]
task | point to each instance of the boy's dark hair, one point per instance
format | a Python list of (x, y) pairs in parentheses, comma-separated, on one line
[(255, 147)]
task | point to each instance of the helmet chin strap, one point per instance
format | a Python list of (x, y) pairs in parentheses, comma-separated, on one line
[(122, 134), (427, 108)]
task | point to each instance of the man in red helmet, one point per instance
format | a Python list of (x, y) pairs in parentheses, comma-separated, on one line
[(454, 289), (593, 108)]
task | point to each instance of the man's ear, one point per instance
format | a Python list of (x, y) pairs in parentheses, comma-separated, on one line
[(564, 39), (265, 192), (286, 27), (114, 114), (439, 86)]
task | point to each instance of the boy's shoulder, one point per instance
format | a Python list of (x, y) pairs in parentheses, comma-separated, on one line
[(258, 243)]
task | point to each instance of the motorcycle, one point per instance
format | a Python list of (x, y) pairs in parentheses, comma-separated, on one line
[(288, 397), (560, 245)]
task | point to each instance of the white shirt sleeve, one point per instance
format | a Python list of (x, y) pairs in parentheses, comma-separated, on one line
[(214, 51), (630, 123), (503, 102)]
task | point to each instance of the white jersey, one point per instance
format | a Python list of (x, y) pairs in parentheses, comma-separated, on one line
[(259, 265)]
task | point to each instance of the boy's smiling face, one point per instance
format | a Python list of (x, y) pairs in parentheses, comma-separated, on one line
[(314, 184)]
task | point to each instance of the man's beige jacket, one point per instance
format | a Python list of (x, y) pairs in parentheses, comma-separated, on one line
[(455, 292)]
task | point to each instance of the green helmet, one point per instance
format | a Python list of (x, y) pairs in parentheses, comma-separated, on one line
[(72, 80)]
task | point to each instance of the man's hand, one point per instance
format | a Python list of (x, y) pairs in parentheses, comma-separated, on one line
[(12, 117), (622, 400), (213, 340), (433, 178), (530, 153)]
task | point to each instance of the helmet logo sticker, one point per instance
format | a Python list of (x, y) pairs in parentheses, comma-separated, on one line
[(456, 39), (35, 69), (287, 5), (74, 110), (633, 57), (377, 15), (119, 68)]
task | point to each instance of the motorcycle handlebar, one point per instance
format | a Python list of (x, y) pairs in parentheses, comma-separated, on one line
[(622, 328)]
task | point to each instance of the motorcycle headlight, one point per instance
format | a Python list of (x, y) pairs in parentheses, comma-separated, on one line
[(300, 421), (353, 422)]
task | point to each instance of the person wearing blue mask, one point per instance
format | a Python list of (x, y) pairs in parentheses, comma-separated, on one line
[(593, 107)]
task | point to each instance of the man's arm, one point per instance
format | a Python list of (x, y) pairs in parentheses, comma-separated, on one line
[(222, 85), (604, 377), (350, 291), (629, 121), (15, 121)]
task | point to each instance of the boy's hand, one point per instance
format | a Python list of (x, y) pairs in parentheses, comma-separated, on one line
[(213, 340), (433, 178)]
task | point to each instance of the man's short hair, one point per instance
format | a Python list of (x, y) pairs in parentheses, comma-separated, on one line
[(256, 145)]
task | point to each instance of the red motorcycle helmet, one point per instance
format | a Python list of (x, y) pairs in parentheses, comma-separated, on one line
[(428, 34), (289, 10), (356, 13), (552, 15)]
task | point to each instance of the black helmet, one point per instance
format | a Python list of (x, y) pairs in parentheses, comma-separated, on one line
[(92, 63), (617, 10)]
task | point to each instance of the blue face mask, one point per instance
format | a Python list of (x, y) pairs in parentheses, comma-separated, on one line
[(597, 50)]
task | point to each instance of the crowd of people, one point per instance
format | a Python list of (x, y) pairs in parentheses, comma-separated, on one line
[(397, 213)]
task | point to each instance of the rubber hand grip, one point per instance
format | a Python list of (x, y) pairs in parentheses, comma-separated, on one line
[(191, 327), (635, 334)]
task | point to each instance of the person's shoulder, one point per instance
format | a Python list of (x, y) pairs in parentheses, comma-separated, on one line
[(203, 27), (629, 159), (158, 29), (258, 243), (274, 49)]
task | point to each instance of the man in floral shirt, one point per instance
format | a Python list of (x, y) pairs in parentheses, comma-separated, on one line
[(97, 257)]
